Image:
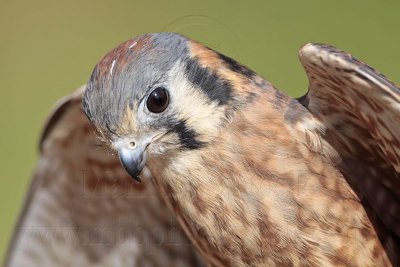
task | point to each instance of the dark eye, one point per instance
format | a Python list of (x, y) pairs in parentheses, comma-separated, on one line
[(158, 100)]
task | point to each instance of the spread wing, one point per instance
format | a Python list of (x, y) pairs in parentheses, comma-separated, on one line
[(360, 111), (82, 209)]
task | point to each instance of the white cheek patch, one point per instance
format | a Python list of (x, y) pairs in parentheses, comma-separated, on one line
[(191, 104)]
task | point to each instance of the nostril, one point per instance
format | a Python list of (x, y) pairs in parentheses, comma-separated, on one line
[(132, 144)]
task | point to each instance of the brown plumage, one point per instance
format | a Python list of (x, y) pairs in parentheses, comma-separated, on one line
[(255, 177), (84, 210)]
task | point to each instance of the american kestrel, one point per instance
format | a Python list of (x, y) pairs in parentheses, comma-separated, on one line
[(83, 209), (255, 177)]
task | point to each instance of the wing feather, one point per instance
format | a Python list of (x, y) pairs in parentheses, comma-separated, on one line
[(360, 110)]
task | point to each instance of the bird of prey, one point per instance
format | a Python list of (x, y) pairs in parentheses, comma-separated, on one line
[(84, 210), (255, 177)]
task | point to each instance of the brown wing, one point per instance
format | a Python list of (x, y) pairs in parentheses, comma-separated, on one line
[(360, 110), (83, 210)]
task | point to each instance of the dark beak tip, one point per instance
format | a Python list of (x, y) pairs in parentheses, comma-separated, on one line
[(132, 163), (132, 172)]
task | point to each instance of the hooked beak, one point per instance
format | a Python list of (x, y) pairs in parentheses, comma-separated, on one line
[(133, 160)]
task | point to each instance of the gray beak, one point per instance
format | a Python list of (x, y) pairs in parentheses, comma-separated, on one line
[(133, 160)]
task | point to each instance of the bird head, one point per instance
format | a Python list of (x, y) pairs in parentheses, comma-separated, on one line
[(162, 94)]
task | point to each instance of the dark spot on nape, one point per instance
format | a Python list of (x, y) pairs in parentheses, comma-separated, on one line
[(237, 67), (187, 136), (279, 99), (295, 112), (304, 100), (251, 96), (260, 82), (214, 87)]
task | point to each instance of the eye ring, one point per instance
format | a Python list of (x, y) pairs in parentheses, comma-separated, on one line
[(158, 100)]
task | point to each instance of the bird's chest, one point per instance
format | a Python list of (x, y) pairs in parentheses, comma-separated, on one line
[(223, 206), (260, 208)]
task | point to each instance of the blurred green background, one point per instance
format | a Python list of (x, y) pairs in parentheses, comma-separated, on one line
[(49, 47)]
